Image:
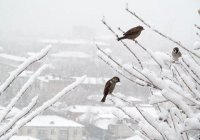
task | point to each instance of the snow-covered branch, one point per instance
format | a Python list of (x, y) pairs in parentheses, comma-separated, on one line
[(41, 108), (22, 67), (21, 92), (6, 127), (124, 44), (161, 34)]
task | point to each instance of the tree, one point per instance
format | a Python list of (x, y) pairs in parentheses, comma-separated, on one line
[(13, 124), (173, 86)]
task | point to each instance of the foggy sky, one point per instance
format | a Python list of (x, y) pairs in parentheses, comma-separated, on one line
[(59, 17)]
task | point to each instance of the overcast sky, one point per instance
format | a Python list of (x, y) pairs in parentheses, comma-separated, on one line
[(59, 17)]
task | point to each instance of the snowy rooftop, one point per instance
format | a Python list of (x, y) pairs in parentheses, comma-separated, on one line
[(73, 42), (52, 121), (85, 109), (136, 137), (110, 110), (45, 78), (12, 57), (22, 138), (71, 54), (104, 123), (94, 80)]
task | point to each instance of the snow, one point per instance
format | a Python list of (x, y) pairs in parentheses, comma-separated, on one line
[(108, 109), (12, 113), (71, 54), (52, 121), (22, 67), (94, 80), (94, 109), (104, 123), (48, 78), (136, 137), (24, 111), (74, 42), (22, 91), (22, 138), (13, 57), (196, 45), (41, 108)]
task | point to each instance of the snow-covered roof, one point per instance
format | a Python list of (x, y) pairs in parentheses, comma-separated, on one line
[(85, 109), (136, 137), (71, 54), (94, 80), (73, 42), (12, 57), (104, 123), (52, 121), (110, 110), (22, 138), (45, 78), (131, 98), (48, 78)]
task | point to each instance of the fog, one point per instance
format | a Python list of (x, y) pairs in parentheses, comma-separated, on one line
[(58, 18), (73, 28)]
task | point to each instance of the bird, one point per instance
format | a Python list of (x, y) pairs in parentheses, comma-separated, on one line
[(109, 87), (176, 54), (132, 34)]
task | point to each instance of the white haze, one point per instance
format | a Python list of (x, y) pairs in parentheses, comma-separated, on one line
[(57, 18)]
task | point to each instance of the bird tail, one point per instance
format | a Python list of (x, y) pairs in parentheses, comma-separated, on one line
[(120, 38), (104, 98)]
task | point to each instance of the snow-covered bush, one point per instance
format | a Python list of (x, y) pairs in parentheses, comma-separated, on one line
[(10, 125), (174, 88)]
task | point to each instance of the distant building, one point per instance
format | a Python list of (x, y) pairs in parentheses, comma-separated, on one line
[(107, 122), (53, 128), (22, 138)]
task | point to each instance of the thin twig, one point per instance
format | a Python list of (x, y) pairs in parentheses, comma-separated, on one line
[(161, 34), (154, 59), (150, 122), (124, 44), (198, 27)]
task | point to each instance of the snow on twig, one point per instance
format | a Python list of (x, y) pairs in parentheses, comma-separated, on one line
[(22, 67), (41, 108), (21, 92)]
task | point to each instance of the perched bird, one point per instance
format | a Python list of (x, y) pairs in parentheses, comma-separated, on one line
[(109, 87), (176, 54), (132, 33)]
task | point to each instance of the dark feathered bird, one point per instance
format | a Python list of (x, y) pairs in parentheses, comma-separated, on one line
[(176, 54), (132, 33), (109, 87)]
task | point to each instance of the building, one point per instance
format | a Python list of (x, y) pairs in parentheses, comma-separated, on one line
[(22, 138), (53, 128)]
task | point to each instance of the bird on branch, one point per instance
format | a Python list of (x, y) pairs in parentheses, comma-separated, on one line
[(109, 87), (176, 54), (132, 34)]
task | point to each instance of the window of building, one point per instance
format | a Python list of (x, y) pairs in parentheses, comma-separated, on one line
[(75, 132), (63, 132), (42, 132), (52, 131), (29, 131)]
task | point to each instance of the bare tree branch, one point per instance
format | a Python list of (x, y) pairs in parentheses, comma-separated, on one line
[(124, 44), (161, 34), (22, 67)]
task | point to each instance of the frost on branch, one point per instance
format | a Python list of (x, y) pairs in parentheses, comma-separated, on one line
[(10, 126), (174, 91)]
